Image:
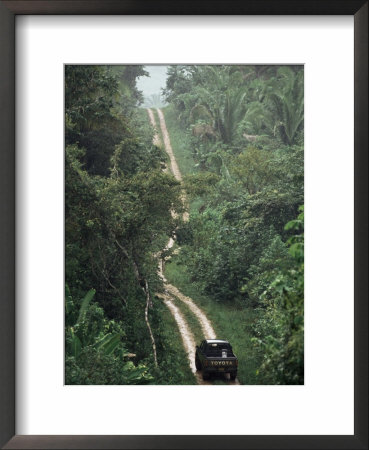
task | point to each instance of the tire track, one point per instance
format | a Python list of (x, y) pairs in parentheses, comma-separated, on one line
[(207, 329), (156, 139), (187, 336), (188, 339)]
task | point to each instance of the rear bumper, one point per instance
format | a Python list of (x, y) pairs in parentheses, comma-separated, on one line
[(220, 369)]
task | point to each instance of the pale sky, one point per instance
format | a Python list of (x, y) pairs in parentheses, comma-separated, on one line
[(152, 85)]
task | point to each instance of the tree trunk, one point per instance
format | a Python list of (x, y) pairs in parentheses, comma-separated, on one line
[(148, 303), (148, 298)]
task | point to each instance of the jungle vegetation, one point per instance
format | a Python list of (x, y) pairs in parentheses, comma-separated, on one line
[(238, 133)]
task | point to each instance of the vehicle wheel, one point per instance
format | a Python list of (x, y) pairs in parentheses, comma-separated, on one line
[(197, 363), (205, 376), (233, 376)]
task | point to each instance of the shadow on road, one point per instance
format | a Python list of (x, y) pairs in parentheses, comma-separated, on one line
[(216, 379)]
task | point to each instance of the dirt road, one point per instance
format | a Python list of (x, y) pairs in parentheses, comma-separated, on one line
[(173, 163), (171, 291), (168, 147), (207, 328)]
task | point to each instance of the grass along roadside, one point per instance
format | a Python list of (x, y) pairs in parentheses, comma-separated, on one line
[(181, 146), (195, 328), (161, 140), (191, 319), (229, 323), (157, 127), (180, 142), (174, 367)]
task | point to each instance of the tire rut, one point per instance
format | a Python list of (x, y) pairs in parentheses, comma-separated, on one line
[(187, 336), (207, 329)]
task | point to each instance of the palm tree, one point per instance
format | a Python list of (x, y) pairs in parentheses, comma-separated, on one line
[(285, 103), (221, 98)]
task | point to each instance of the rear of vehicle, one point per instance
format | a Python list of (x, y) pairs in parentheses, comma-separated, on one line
[(217, 357)]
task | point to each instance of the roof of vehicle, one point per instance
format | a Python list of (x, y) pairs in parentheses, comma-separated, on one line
[(216, 341)]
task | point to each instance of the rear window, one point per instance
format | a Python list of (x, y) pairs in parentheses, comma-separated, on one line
[(218, 350)]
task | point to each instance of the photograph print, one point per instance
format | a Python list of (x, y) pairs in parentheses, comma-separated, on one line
[(184, 224)]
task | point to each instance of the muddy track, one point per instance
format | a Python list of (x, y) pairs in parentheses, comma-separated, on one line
[(171, 291)]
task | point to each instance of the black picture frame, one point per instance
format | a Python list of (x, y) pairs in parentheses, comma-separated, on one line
[(8, 11)]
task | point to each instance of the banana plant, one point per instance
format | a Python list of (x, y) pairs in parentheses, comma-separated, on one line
[(106, 344), (219, 100)]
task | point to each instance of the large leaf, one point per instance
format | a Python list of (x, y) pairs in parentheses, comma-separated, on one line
[(133, 374), (84, 306), (108, 343), (293, 225), (102, 341)]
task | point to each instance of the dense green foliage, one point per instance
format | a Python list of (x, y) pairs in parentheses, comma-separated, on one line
[(117, 216), (244, 128), (237, 134), (94, 347), (280, 329)]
